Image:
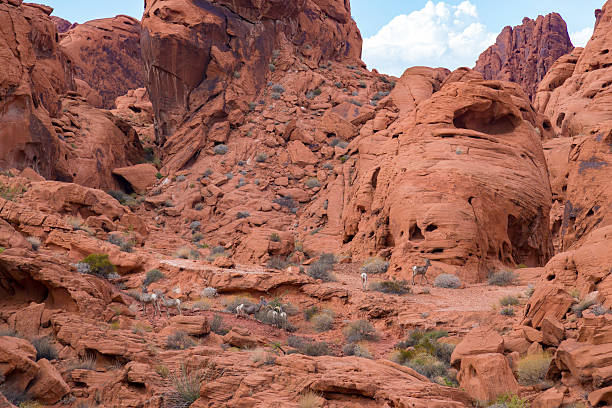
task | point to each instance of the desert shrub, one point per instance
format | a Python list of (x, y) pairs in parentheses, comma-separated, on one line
[(220, 149), (179, 340), (509, 301), (530, 290), (217, 326), (124, 245), (83, 363), (428, 365), (234, 302), (2, 249), (321, 270), (13, 395), (185, 252), (10, 193), (427, 342), (275, 95), (44, 348), (261, 157), (308, 346), (274, 237), (217, 252), (195, 225), (322, 322), (98, 265), (356, 350), (153, 276), (9, 333), (599, 310), (278, 88), (532, 369), (507, 311), (510, 401), (310, 400), (310, 312), (35, 242), (159, 176), (286, 202), (375, 266), (391, 287), (209, 293), (448, 281), (186, 387), (503, 278), (582, 306), (360, 330), (243, 214), (312, 183), (260, 355), (278, 262)]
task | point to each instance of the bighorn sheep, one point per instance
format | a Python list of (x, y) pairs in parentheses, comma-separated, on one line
[(364, 281), (421, 270), (243, 310), (145, 298), (168, 303)]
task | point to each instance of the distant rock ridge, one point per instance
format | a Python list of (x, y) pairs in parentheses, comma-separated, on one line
[(524, 53)]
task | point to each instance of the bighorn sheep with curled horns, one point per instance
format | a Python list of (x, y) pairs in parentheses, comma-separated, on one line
[(146, 298), (421, 270), (243, 310)]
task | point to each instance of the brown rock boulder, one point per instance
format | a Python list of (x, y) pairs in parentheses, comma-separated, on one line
[(300, 154), (478, 341), (17, 364), (547, 300), (48, 386), (582, 359), (27, 321), (192, 325), (242, 338), (487, 376), (595, 329), (603, 395), (524, 53), (105, 53), (140, 177), (551, 398), (553, 332)]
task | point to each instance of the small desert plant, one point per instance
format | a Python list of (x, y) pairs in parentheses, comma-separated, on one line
[(323, 321), (308, 347), (510, 401), (186, 384), (260, 355), (312, 183), (179, 340), (278, 262), (185, 252), (582, 306), (530, 290), (509, 301), (274, 237), (217, 326), (532, 368), (261, 157), (310, 312), (448, 281), (243, 214), (286, 202), (99, 265), (220, 149), (217, 252), (503, 278), (360, 330), (356, 350), (209, 293), (153, 276), (375, 266), (310, 400), (35, 242), (507, 311), (159, 176), (44, 348), (391, 287), (9, 333), (278, 88), (162, 370), (83, 363), (321, 270), (13, 395), (124, 245), (599, 310), (2, 249)]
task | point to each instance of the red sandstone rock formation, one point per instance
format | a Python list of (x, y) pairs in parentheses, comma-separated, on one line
[(62, 25), (524, 53), (106, 54)]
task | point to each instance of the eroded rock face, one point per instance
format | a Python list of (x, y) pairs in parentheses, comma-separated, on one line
[(524, 53), (106, 54), (212, 57), (462, 180), (36, 75), (62, 25)]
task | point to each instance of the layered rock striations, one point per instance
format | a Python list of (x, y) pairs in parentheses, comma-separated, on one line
[(524, 53)]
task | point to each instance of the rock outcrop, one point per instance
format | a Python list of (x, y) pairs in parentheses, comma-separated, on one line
[(211, 58), (524, 53), (62, 25), (105, 53)]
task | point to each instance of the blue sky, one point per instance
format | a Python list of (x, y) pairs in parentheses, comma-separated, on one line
[(402, 33)]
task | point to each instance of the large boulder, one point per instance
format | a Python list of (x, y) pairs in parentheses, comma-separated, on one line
[(548, 300), (17, 362), (487, 376), (582, 359), (478, 341), (49, 386)]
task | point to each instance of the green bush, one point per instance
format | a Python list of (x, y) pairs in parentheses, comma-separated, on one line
[(503, 278), (99, 265), (507, 311), (360, 330), (510, 401), (532, 368), (274, 237), (153, 276), (221, 149)]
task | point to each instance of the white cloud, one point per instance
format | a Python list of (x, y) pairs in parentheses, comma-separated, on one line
[(438, 35), (580, 38)]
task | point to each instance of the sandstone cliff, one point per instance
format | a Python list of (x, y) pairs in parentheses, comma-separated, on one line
[(524, 53)]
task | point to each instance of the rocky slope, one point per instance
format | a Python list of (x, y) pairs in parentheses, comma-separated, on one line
[(272, 153), (524, 53), (106, 55)]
